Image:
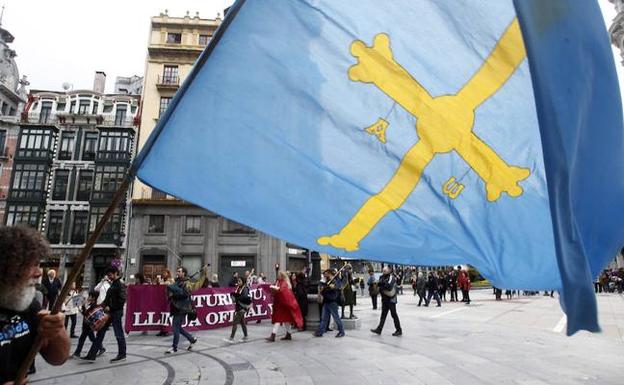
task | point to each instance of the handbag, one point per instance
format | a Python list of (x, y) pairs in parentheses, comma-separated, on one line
[(192, 315)]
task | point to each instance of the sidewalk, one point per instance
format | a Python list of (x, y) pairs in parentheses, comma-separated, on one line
[(521, 341)]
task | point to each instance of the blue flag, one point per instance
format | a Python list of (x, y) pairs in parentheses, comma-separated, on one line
[(413, 132)]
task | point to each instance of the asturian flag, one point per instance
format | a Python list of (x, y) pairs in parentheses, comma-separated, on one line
[(413, 132)]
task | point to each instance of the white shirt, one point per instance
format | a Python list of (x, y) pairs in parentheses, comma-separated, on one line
[(102, 287)]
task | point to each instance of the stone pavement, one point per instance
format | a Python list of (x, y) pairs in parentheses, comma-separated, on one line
[(521, 341)]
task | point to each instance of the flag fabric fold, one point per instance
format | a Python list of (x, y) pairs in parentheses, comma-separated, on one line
[(417, 132)]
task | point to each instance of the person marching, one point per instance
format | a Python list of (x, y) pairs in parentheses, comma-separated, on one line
[(85, 308), (242, 302), (181, 304), (432, 288), (113, 304), (285, 308), (388, 289), (330, 294)]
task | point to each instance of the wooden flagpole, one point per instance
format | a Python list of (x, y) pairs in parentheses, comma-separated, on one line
[(78, 264)]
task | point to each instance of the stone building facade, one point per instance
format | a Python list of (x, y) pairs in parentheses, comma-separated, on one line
[(13, 95), (166, 232), (73, 151)]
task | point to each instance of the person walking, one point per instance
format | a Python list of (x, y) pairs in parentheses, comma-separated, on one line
[(421, 287), (388, 290), (179, 294), (432, 288), (86, 332), (373, 288), (285, 308), (70, 309), (330, 295), (242, 303), (53, 287), (113, 305), (102, 288)]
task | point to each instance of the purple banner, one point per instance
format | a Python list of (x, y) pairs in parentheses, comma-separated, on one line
[(147, 308)]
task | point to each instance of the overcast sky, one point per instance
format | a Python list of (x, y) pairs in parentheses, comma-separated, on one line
[(68, 40)]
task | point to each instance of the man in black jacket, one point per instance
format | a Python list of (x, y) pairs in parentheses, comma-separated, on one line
[(53, 287), (388, 290), (113, 305), (432, 288)]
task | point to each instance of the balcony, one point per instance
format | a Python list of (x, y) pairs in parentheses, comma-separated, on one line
[(77, 118), (168, 82), (116, 121), (48, 119)]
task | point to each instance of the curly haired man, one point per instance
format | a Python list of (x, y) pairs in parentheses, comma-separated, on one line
[(21, 317)]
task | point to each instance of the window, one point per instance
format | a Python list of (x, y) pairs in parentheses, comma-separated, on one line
[(96, 105), (55, 226), (90, 145), (231, 227), (3, 135), (60, 106), (170, 75), (83, 107), (107, 181), (61, 181), (72, 106), (24, 215), (85, 185), (120, 114), (29, 181), (112, 227), (108, 108), (203, 39), (174, 38), (114, 145), (156, 224), (35, 143), (66, 148), (164, 103), (79, 227), (46, 112), (193, 224)]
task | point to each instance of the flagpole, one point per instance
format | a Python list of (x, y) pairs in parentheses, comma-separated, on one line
[(78, 264)]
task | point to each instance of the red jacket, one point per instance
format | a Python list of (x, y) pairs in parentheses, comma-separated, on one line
[(463, 281), (285, 306)]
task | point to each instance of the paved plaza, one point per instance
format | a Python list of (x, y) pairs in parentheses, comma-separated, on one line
[(521, 341)]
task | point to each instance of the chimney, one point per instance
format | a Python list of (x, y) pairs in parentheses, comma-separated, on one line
[(99, 82)]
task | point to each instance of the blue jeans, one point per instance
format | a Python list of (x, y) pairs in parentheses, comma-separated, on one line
[(330, 308), (115, 320), (176, 325), (435, 295)]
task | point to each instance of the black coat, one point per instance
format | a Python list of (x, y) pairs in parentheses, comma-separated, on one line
[(432, 283), (301, 294), (52, 288), (115, 296)]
